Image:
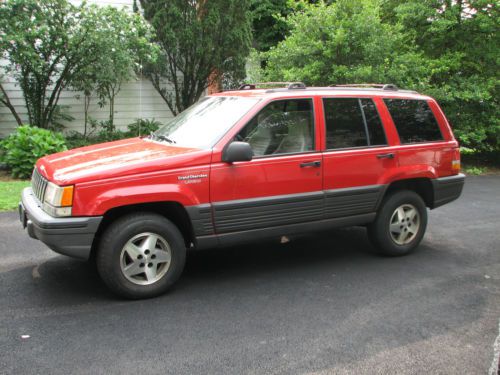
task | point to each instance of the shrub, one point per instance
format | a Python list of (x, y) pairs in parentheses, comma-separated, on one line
[(143, 127), (23, 148)]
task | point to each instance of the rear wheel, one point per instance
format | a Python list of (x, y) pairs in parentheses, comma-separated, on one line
[(141, 255), (400, 223)]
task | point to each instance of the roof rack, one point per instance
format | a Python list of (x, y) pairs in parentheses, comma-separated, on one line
[(288, 85), (386, 86)]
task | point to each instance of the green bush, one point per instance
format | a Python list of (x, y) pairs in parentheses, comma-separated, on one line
[(22, 149), (143, 127)]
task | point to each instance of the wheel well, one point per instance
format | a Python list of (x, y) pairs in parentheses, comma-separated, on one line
[(421, 186), (173, 211)]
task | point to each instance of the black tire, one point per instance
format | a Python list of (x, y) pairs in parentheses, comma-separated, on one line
[(116, 236), (379, 232)]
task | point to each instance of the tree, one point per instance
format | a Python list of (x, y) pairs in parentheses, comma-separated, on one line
[(200, 42), (461, 40), (345, 42), (124, 42), (268, 22), (45, 45), (5, 101), (447, 49)]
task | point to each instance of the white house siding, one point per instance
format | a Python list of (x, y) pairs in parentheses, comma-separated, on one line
[(137, 99)]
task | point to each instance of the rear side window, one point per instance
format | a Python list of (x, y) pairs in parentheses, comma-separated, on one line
[(352, 122), (414, 120)]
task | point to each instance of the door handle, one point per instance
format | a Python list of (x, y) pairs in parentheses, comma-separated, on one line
[(386, 156), (316, 164)]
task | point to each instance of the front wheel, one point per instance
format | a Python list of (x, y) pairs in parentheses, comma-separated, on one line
[(141, 255), (400, 223)]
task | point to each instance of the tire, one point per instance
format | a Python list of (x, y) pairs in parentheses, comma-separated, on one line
[(400, 224), (141, 255)]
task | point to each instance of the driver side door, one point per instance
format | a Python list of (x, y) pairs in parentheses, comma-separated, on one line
[(282, 184)]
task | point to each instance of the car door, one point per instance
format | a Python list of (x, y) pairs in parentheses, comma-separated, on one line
[(282, 184), (357, 156)]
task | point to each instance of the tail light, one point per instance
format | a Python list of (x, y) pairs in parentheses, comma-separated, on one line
[(455, 162)]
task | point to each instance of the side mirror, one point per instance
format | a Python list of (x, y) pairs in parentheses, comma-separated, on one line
[(237, 151)]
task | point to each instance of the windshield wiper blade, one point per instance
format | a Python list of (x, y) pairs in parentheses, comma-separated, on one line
[(161, 137)]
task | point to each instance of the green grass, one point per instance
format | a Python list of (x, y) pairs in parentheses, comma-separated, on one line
[(10, 194)]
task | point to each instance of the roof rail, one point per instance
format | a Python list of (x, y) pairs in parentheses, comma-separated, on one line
[(387, 86), (247, 86), (390, 86), (296, 85), (288, 85)]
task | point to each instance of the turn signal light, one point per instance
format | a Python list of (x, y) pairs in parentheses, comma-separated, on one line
[(67, 196)]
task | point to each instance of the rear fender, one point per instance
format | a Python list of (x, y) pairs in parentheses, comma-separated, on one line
[(408, 172)]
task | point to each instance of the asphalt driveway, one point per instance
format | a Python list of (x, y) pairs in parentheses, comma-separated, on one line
[(320, 304)]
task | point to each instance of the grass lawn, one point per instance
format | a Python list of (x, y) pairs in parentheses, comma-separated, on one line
[(10, 192)]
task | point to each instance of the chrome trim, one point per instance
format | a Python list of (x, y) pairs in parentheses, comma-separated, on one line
[(39, 185)]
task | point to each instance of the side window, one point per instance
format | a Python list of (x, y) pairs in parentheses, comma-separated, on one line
[(373, 123), (414, 120), (352, 122), (282, 127)]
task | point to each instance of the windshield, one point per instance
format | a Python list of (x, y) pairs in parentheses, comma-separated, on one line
[(204, 123)]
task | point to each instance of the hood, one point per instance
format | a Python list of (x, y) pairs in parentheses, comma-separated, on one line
[(114, 159)]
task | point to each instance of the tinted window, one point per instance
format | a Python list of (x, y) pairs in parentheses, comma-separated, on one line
[(375, 129), (282, 127), (414, 120), (352, 122)]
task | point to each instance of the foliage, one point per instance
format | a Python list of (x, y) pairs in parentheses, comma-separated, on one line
[(462, 38), (443, 48), (24, 147), (45, 44), (51, 45), (101, 131), (61, 114), (200, 41), (474, 170), (341, 43), (76, 139), (143, 127), (124, 42), (10, 192), (268, 22)]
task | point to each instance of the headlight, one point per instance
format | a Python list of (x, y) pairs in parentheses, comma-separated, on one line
[(58, 200)]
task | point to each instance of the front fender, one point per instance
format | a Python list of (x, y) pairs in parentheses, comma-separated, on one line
[(95, 200)]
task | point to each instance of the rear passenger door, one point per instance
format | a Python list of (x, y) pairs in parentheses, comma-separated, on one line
[(356, 156)]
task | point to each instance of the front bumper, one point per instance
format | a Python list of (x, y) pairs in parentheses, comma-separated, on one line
[(72, 236)]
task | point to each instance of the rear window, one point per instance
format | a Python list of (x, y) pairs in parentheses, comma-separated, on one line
[(352, 122), (414, 120)]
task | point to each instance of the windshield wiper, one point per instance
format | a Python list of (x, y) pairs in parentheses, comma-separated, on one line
[(161, 137)]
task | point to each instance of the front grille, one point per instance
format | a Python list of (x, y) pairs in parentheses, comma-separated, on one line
[(38, 184)]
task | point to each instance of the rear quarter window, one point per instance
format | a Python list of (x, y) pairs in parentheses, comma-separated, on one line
[(414, 120)]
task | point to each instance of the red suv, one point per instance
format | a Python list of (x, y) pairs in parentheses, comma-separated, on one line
[(244, 165)]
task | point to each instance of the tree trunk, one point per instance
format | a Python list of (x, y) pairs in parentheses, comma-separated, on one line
[(111, 112), (86, 105), (6, 101)]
